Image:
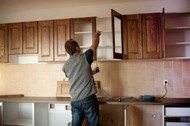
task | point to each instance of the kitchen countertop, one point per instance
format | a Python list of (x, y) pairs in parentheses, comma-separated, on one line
[(127, 101)]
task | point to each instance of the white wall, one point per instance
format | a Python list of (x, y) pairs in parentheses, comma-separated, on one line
[(12, 12)]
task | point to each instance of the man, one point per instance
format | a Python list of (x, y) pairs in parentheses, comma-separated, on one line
[(82, 90)]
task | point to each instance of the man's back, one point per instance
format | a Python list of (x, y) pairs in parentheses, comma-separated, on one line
[(79, 72)]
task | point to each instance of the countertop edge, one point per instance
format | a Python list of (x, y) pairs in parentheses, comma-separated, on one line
[(67, 100)]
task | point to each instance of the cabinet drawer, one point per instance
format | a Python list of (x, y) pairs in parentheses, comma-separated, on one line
[(177, 111), (177, 124)]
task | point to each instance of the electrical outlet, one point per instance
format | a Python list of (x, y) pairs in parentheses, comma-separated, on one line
[(165, 82)]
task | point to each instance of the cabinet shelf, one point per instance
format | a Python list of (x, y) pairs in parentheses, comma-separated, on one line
[(178, 43), (85, 32), (89, 32), (20, 122), (177, 58), (177, 116), (177, 28), (86, 47)]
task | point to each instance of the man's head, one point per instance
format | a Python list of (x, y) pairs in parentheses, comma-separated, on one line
[(72, 47)]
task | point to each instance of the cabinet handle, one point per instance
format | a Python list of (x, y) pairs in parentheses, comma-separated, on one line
[(67, 107), (52, 106)]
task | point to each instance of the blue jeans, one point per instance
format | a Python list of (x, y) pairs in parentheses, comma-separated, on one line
[(87, 107)]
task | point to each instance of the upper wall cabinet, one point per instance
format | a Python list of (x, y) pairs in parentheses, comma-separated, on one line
[(30, 45), (45, 39), (177, 35), (142, 36), (23, 38), (52, 36), (3, 43), (15, 38), (61, 35), (83, 30)]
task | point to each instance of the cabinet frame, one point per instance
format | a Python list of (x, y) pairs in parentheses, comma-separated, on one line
[(84, 20), (119, 16)]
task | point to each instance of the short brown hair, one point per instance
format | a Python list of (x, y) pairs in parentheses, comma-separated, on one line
[(70, 46)]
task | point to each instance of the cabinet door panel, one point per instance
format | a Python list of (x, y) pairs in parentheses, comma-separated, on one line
[(132, 37), (152, 36), (117, 34), (30, 38), (3, 43), (15, 38), (45, 39), (61, 35)]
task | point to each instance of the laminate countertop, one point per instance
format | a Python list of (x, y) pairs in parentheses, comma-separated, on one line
[(116, 101)]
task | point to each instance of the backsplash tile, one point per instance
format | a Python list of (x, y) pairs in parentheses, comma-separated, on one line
[(118, 78)]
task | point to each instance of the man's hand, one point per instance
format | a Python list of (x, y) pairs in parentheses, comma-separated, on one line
[(95, 70), (98, 33)]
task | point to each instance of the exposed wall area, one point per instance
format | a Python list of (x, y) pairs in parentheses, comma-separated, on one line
[(118, 78)]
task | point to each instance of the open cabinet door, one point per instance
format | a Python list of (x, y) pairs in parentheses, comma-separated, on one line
[(117, 33), (163, 33)]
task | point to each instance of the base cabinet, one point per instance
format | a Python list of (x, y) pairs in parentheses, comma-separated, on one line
[(35, 114), (111, 115), (18, 114), (52, 114), (176, 115), (144, 115), (1, 122)]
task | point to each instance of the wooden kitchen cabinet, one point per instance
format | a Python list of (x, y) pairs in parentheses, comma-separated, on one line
[(3, 43), (144, 115), (23, 38), (30, 44), (45, 40), (142, 36), (15, 38), (111, 115), (61, 35), (83, 30), (52, 36), (177, 35)]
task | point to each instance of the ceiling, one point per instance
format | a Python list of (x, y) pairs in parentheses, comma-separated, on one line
[(20, 5)]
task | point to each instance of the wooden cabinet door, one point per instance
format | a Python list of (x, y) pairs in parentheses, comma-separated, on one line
[(15, 38), (117, 34), (132, 37), (61, 35), (144, 115), (45, 39), (30, 38), (152, 36), (3, 43)]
